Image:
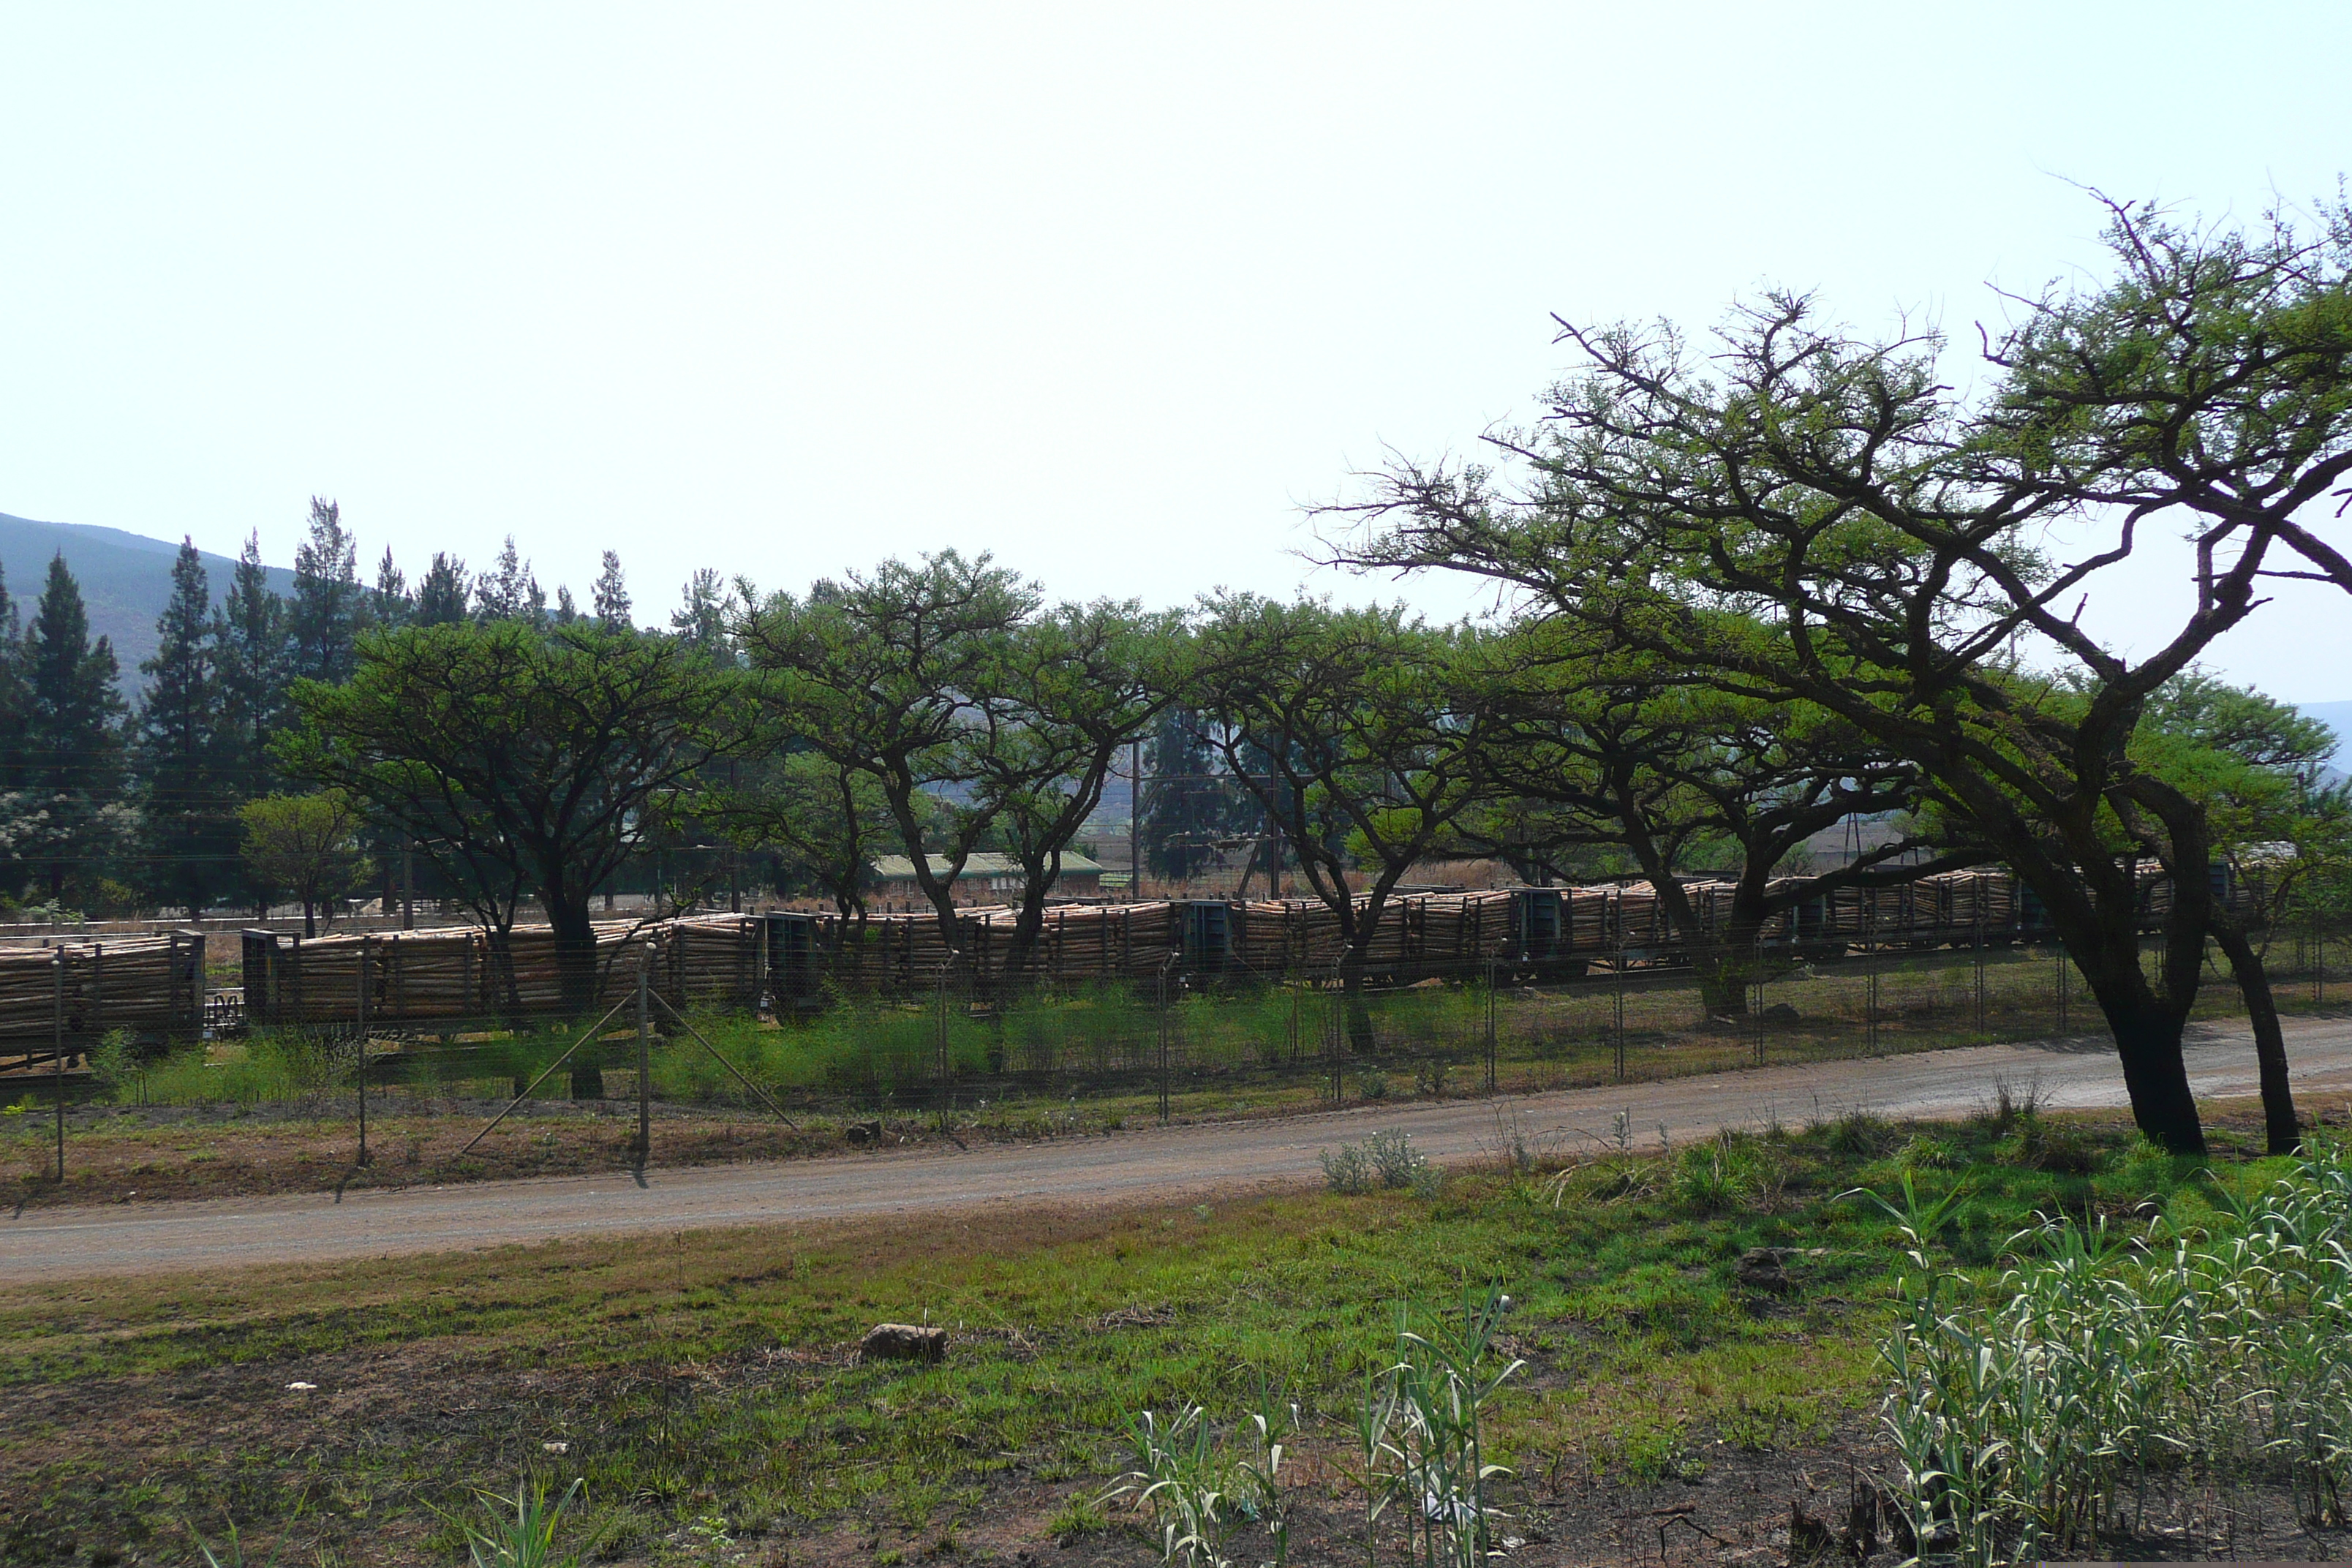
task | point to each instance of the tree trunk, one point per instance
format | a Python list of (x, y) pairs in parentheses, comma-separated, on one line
[(575, 967), (1728, 966), (2281, 1131), (1026, 929), (2147, 1043), (310, 926)]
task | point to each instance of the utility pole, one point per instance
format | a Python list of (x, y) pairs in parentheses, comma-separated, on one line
[(408, 881), (1134, 820)]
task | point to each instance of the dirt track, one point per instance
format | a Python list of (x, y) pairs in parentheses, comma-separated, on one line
[(1122, 1168)]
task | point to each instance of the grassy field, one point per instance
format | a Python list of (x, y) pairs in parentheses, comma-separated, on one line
[(704, 1389)]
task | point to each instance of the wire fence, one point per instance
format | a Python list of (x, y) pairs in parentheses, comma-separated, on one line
[(1175, 1045)]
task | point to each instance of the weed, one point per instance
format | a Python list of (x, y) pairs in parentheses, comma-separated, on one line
[(1188, 1486), (1422, 1436), (1387, 1159), (1651, 1455), (1373, 1084), (2032, 1423), (524, 1537), (1081, 1516)]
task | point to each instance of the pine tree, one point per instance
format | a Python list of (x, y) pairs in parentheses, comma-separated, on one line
[(18, 813), (73, 728), (608, 600), (250, 664), (509, 591), (391, 604), (442, 592), (566, 612), (13, 695), (701, 621), (330, 605), (188, 824), (1187, 812)]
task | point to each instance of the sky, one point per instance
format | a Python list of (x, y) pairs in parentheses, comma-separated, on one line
[(1115, 292)]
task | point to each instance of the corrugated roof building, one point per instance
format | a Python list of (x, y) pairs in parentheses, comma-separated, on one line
[(987, 879)]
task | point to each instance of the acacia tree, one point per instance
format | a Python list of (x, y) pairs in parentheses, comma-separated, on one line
[(885, 675), (1359, 733), (1636, 754), (1810, 517), (2254, 766), (1061, 696), (308, 844), (822, 822), (521, 759)]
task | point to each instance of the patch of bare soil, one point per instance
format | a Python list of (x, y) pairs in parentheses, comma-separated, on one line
[(370, 1442)]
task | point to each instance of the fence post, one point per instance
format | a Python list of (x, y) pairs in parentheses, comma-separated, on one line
[(58, 1056), (1870, 976), (1493, 960), (365, 952), (644, 1070), (1164, 1038), (946, 970), (2062, 987), (1331, 1038), (1759, 987), (1980, 966), (1617, 983)]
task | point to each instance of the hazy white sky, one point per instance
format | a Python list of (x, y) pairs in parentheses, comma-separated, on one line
[(1109, 290)]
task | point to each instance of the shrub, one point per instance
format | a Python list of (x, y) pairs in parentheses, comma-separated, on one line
[(1386, 1160)]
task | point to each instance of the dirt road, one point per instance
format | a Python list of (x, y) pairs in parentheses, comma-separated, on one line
[(1122, 1168)]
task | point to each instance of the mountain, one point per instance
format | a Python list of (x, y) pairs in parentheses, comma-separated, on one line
[(126, 580), (2336, 716)]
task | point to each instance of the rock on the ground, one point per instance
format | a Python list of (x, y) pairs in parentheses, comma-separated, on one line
[(903, 1342)]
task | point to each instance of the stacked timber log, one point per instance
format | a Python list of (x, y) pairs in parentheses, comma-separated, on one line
[(476, 973), (79, 991)]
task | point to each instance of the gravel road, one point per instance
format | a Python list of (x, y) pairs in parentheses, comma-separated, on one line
[(1151, 1164)]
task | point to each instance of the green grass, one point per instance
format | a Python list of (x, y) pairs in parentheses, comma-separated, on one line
[(1225, 1050), (704, 1375)]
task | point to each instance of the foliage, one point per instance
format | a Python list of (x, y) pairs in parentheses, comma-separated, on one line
[(2033, 1421), (521, 1532), (308, 843), (1802, 515), (1385, 1161), (521, 759)]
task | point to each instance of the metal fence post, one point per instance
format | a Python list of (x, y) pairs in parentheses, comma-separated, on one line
[(1331, 1038), (1870, 961), (1163, 1040), (57, 1055), (946, 969), (364, 950), (1980, 966), (645, 1067), (1617, 1029), (1491, 966), (1759, 987)]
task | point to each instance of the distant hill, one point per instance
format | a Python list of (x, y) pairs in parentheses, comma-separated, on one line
[(126, 580), (2336, 716)]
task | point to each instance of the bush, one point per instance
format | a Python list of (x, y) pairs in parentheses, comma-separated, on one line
[(1384, 1161)]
